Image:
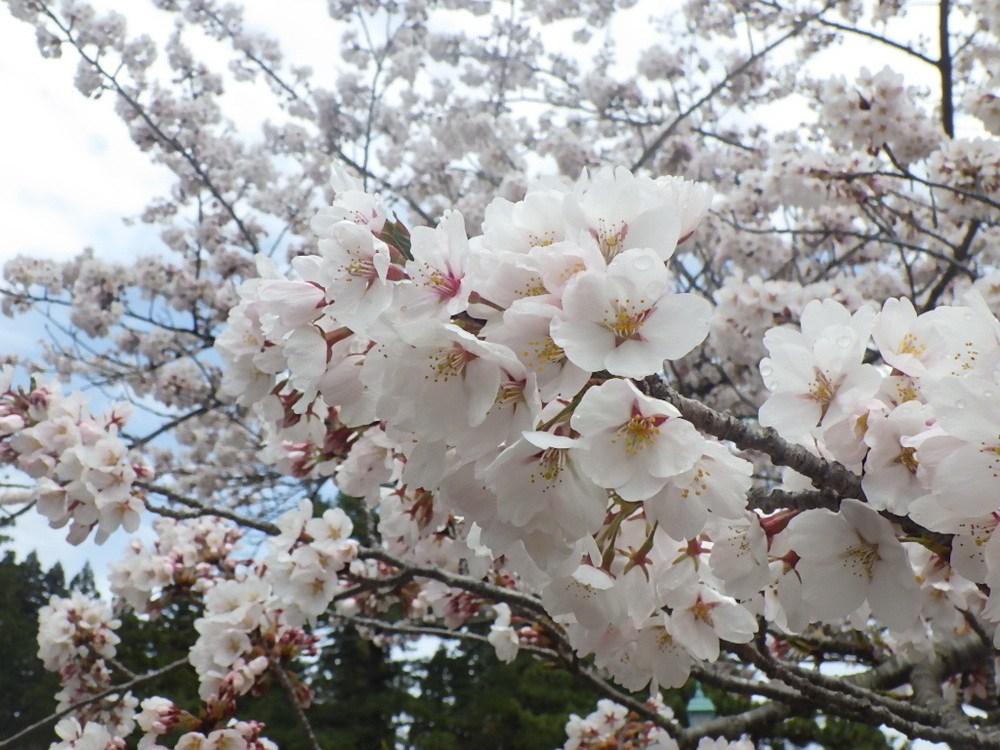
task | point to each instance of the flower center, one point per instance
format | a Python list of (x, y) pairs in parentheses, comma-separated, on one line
[(910, 345), (702, 610), (907, 459), (361, 268), (510, 392), (639, 431), (610, 238), (626, 323), (448, 363), (551, 463), (442, 281), (544, 352), (863, 558)]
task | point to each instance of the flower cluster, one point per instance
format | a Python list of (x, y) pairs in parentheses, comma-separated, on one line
[(490, 385), (76, 638), (186, 556), (612, 725), (494, 373), (969, 169), (83, 471), (878, 111), (305, 559), (237, 735), (908, 426)]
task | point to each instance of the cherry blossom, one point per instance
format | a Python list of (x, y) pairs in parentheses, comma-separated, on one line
[(649, 389), (631, 443), (858, 549), (626, 320)]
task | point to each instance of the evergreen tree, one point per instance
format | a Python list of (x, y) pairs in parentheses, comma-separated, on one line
[(464, 697), (27, 690), (358, 693)]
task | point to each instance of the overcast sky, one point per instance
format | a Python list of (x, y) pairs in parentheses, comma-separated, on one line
[(71, 174)]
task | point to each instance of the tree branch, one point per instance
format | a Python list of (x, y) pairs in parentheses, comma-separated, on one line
[(944, 67), (135, 682), (300, 715), (202, 510), (658, 142), (829, 476)]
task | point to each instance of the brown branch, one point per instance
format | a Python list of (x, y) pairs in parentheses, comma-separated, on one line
[(879, 38), (443, 633), (956, 655), (944, 66), (829, 476), (466, 583), (769, 501), (925, 679), (961, 254), (300, 715), (853, 696), (202, 509)]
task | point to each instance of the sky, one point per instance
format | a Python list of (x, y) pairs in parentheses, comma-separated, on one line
[(71, 174)]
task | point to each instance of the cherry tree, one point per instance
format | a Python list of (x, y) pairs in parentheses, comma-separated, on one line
[(654, 381)]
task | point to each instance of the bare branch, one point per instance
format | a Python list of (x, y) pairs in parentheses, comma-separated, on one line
[(300, 715)]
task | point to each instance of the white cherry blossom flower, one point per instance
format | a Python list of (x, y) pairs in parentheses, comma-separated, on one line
[(631, 443), (717, 482), (351, 203), (619, 211), (851, 557), (439, 380), (701, 617), (437, 286), (539, 483), (626, 320), (816, 375), (968, 409), (589, 596), (353, 266), (891, 480), (525, 328), (502, 636)]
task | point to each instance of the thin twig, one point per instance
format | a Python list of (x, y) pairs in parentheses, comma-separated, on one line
[(52, 718), (300, 715)]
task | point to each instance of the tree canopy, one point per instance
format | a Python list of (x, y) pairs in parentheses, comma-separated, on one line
[(640, 345)]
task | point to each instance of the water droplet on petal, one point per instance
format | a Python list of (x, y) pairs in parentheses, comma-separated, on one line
[(960, 404), (643, 263), (844, 342), (766, 371)]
